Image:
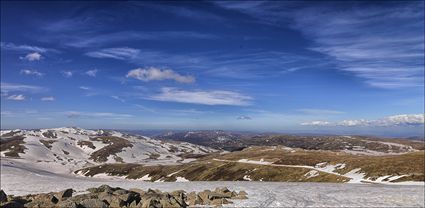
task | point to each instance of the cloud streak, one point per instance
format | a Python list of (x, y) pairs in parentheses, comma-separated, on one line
[(13, 87), (50, 98), (381, 44), (396, 120), (78, 114), (215, 97), (16, 97), (23, 48)]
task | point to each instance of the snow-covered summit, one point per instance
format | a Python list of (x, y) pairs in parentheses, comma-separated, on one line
[(69, 148)]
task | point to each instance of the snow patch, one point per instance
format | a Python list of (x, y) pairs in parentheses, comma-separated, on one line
[(181, 179)]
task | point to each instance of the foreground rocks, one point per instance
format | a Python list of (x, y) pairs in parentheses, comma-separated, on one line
[(105, 196)]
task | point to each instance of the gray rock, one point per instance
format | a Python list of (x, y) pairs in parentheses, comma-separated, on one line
[(11, 204), (63, 195), (152, 203), (67, 204), (3, 196), (93, 203)]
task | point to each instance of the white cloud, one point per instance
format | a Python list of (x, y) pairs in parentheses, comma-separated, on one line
[(12, 87), (50, 98), (16, 97), (31, 72), (216, 97), (67, 74), (92, 73), (396, 120), (244, 118), (115, 53), (153, 73), (315, 123), (35, 56), (84, 88)]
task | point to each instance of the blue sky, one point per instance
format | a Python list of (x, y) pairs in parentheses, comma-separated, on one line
[(337, 67)]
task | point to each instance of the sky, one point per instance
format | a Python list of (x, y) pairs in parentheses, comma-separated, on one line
[(333, 67)]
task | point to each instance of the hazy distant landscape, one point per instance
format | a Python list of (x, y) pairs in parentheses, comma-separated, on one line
[(157, 104)]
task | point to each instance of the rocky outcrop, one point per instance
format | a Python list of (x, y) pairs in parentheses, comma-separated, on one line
[(105, 196), (217, 197)]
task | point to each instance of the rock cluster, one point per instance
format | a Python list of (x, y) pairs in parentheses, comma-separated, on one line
[(106, 196), (217, 197)]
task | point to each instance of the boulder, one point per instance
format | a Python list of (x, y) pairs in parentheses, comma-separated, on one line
[(67, 204), (222, 190), (91, 203), (204, 195), (240, 197), (3, 196), (242, 193), (120, 192), (139, 191), (215, 195), (193, 198), (63, 195), (110, 199), (46, 198), (135, 204), (151, 203), (102, 188), (11, 204), (220, 201)]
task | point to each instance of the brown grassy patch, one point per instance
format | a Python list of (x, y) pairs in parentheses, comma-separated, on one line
[(116, 144), (212, 171), (50, 134), (47, 143), (86, 143), (14, 145), (372, 166)]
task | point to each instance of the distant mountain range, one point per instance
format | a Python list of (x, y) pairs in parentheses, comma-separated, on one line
[(212, 156)]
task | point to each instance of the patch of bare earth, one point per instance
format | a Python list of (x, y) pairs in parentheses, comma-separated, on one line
[(115, 145), (13, 145)]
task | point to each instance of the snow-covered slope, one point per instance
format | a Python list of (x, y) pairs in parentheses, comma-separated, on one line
[(63, 150)]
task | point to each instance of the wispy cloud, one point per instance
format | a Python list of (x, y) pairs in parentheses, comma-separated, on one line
[(50, 98), (31, 72), (250, 64), (19, 97), (396, 120), (215, 97), (79, 114), (91, 73), (244, 118), (94, 40), (115, 53), (192, 13), (84, 88), (118, 98), (13, 87), (153, 73), (67, 74), (23, 48), (382, 44)]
